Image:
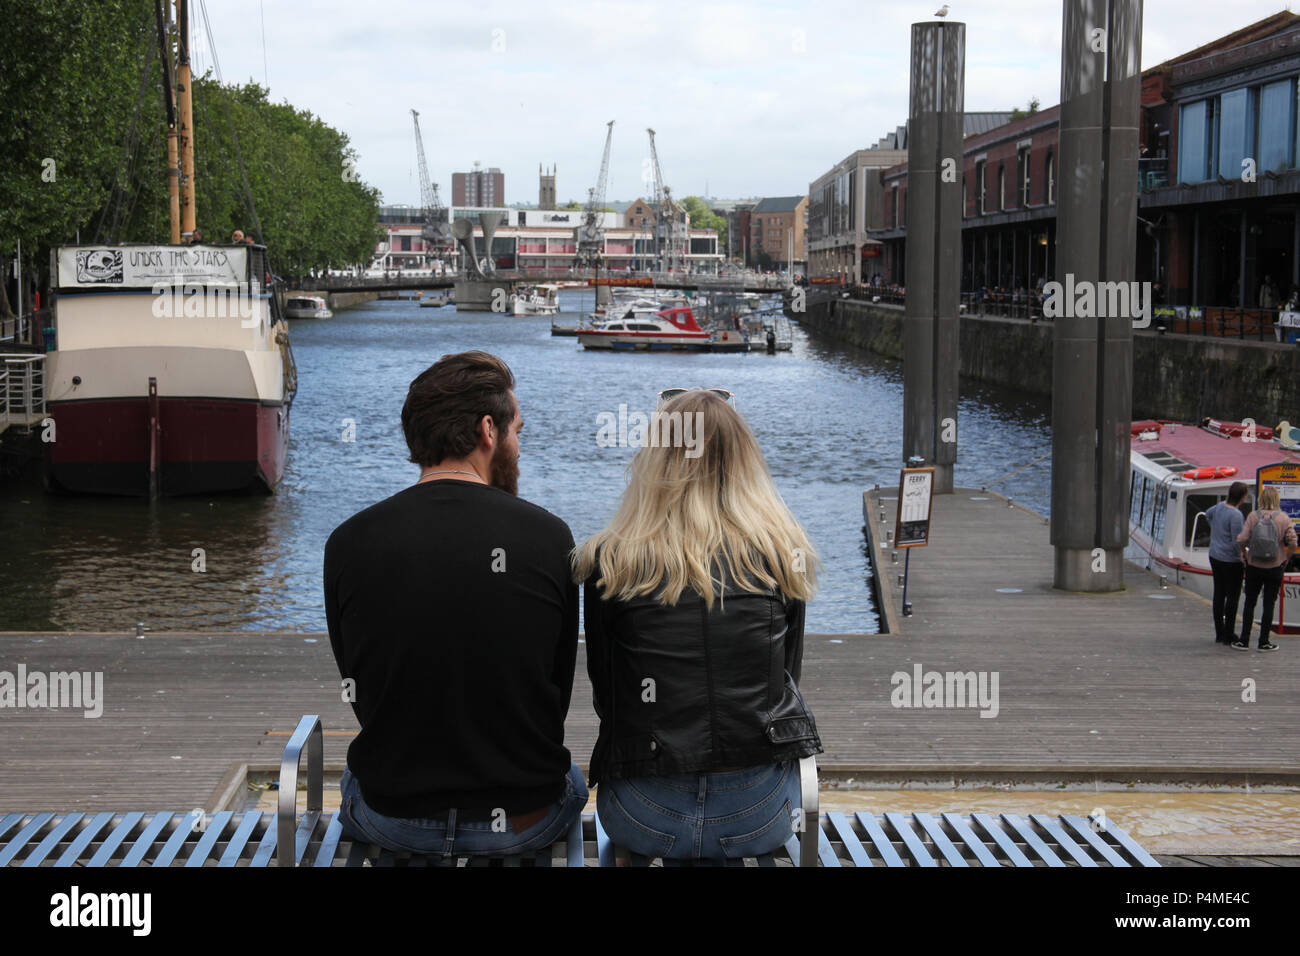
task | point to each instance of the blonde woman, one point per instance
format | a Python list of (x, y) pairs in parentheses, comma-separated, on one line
[(694, 602), (1267, 540)]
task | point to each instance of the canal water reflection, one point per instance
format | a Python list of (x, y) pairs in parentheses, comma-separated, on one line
[(828, 417)]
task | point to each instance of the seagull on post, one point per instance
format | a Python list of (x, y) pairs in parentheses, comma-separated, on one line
[(942, 11)]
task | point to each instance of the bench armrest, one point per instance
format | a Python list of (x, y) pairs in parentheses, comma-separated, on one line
[(810, 835), (309, 733)]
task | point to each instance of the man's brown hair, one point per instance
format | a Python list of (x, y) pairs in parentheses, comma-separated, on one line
[(447, 400)]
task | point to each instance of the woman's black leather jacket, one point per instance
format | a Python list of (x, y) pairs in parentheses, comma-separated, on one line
[(685, 689)]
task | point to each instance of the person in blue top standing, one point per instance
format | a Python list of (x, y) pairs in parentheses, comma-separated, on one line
[(1226, 521)]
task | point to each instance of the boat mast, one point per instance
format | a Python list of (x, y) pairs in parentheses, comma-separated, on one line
[(169, 101), (185, 105)]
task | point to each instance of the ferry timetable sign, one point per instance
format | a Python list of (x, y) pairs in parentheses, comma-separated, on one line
[(1285, 477), (915, 491)]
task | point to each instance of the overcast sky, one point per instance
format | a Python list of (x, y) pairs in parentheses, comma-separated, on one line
[(755, 98)]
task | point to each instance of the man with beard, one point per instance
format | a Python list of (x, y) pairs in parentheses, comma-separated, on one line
[(454, 622)]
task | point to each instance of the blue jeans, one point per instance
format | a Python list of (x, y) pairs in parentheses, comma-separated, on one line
[(447, 836), (702, 816)]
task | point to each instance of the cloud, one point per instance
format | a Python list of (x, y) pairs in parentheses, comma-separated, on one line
[(732, 97)]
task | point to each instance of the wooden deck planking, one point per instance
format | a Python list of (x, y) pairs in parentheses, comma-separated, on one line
[(1108, 685)]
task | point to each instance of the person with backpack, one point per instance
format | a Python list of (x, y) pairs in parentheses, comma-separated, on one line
[(1267, 538), (1226, 521)]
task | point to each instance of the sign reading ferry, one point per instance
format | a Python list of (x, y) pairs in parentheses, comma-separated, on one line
[(126, 267), (915, 492), (1285, 477)]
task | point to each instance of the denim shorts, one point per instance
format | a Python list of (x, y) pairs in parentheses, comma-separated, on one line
[(446, 836), (702, 816)]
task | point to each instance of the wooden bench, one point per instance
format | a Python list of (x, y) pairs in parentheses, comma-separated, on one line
[(315, 838)]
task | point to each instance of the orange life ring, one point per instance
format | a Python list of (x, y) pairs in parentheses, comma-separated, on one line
[(1222, 471)]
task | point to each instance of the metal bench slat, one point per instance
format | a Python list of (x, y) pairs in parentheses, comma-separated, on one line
[(950, 852), (636, 859), (792, 849), (1032, 840), (850, 839), (604, 846), (120, 833), (1134, 849), (1004, 842), (144, 842), (23, 836), (211, 837), (9, 821), (767, 860), (1069, 846), (176, 842), (52, 839), (84, 839), (884, 845), (913, 843), (1084, 829), (825, 851), (576, 853), (329, 843), (969, 838), (235, 848), (302, 838), (266, 848)]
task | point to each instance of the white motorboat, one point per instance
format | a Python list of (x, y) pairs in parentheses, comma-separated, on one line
[(307, 307)]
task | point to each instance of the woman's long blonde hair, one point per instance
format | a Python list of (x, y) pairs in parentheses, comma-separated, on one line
[(690, 508), (1269, 499)]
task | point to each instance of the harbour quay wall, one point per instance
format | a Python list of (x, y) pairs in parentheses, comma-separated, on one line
[(1182, 377), (335, 300)]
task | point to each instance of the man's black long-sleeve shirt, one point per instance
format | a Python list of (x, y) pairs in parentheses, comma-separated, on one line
[(452, 607)]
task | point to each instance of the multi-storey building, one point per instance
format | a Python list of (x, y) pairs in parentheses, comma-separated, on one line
[(778, 227), (1219, 189), (479, 187)]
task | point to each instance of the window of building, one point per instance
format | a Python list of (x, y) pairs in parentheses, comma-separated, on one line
[(1236, 131), (406, 244), (1049, 174), (980, 183), (1002, 186), (1022, 174), (1276, 126), (1195, 139)]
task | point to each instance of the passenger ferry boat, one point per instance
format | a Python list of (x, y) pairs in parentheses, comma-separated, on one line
[(672, 329), (1177, 472), (307, 307), (543, 299)]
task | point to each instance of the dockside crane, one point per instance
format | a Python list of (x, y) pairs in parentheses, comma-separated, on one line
[(435, 227), (667, 226), (589, 238)]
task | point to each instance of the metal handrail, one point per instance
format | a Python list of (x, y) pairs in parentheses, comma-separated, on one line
[(810, 836), (308, 732)]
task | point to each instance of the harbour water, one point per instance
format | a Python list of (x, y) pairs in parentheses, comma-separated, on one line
[(827, 417)]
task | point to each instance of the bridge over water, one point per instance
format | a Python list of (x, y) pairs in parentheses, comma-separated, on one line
[(657, 280)]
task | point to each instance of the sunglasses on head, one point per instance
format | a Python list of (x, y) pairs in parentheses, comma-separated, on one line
[(668, 394)]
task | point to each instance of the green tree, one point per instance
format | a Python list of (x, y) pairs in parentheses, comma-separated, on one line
[(702, 217), (1019, 114), (83, 141)]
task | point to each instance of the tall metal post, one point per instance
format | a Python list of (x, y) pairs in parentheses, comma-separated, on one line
[(933, 264), (1092, 374)]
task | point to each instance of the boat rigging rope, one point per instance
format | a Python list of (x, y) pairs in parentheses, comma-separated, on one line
[(990, 484)]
